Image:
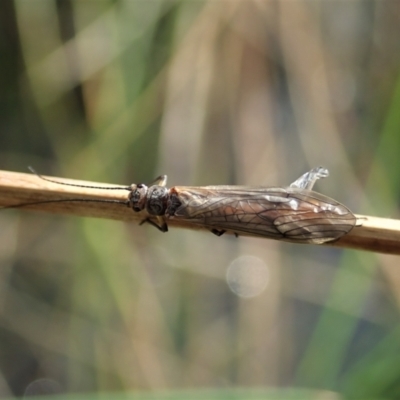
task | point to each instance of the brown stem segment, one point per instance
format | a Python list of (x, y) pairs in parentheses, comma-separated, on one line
[(375, 234)]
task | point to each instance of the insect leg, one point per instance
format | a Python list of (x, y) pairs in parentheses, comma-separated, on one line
[(163, 227), (307, 180), (221, 232), (217, 232), (160, 181)]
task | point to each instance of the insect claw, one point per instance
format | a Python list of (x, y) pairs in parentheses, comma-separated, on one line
[(217, 232), (163, 227)]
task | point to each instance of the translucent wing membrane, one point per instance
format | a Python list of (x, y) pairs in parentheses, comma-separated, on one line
[(291, 214)]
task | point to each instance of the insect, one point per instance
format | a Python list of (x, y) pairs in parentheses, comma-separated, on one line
[(295, 213)]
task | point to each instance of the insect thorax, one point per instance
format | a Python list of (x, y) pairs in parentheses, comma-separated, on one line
[(157, 199), (174, 203)]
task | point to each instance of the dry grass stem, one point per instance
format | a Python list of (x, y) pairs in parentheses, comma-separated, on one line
[(374, 234)]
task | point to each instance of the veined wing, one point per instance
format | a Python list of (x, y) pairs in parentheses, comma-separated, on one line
[(290, 214)]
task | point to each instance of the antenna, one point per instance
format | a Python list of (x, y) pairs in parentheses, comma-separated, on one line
[(112, 201), (83, 186), (126, 203)]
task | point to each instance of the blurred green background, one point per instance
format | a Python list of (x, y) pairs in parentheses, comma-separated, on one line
[(208, 92)]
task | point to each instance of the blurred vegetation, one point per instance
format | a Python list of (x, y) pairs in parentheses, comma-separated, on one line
[(209, 92)]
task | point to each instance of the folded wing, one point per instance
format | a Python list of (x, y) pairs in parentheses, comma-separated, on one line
[(290, 214)]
